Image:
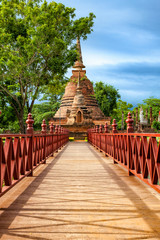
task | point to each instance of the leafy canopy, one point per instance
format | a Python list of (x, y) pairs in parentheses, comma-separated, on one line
[(122, 107), (36, 48), (151, 102), (106, 96)]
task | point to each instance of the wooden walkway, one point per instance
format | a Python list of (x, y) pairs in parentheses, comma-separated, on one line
[(82, 195)]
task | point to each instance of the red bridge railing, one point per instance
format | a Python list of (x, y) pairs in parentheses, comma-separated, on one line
[(139, 153), (20, 154)]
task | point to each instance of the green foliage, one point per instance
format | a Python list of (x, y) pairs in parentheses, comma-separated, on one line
[(124, 107), (151, 102), (37, 46), (156, 125), (71, 139), (106, 96), (42, 111), (8, 120), (155, 104)]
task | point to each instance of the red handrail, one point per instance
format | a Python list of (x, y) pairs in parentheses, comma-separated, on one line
[(20, 154), (139, 153)]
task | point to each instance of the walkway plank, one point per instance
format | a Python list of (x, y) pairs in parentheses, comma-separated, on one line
[(82, 195)]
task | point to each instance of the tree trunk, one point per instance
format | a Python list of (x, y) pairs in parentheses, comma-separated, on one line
[(21, 122)]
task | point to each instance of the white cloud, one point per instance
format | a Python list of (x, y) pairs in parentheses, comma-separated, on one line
[(95, 58)]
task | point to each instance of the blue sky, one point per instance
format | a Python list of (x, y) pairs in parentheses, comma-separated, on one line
[(124, 48)]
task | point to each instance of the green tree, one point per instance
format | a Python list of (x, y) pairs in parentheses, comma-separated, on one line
[(50, 104), (36, 48), (122, 107), (8, 119), (151, 102), (106, 96), (155, 104)]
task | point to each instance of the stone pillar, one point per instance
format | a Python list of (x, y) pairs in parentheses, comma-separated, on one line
[(141, 115), (159, 117), (44, 126), (51, 128), (133, 117), (129, 122), (114, 125), (139, 127), (29, 122), (136, 118), (122, 123), (151, 119), (147, 115), (106, 128)]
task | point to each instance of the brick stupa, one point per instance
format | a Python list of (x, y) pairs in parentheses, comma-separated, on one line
[(79, 109)]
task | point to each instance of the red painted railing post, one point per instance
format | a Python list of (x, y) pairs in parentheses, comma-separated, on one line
[(1, 182), (130, 129), (29, 122), (97, 130), (44, 131), (106, 131), (59, 137), (56, 132), (100, 138), (30, 130), (44, 127), (51, 128), (114, 130), (114, 125), (51, 132), (62, 136), (94, 137), (129, 122), (106, 128), (100, 129), (56, 129), (1, 175)]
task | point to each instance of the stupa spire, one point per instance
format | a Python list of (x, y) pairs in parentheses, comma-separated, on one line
[(79, 63), (79, 50), (79, 78)]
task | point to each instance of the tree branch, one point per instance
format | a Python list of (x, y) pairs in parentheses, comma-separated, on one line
[(34, 97), (11, 95)]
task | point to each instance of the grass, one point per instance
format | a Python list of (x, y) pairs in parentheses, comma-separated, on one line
[(71, 139)]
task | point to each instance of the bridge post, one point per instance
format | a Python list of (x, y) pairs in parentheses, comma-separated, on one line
[(130, 129), (51, 132), (59, 137), (129, 122), (51, 128), (114, 125), (106, 128), (30, 130), (93, 136), (97, 130), (106, 131), (44, 131), (100, 129), (56, 132), (100, 138), (114, 130)]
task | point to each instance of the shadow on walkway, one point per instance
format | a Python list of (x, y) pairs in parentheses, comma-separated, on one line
[(82, 195)]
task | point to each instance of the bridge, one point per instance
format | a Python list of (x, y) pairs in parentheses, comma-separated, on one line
[(55, 189)]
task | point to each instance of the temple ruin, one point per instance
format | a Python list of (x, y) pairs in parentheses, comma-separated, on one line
[(79, 109)]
